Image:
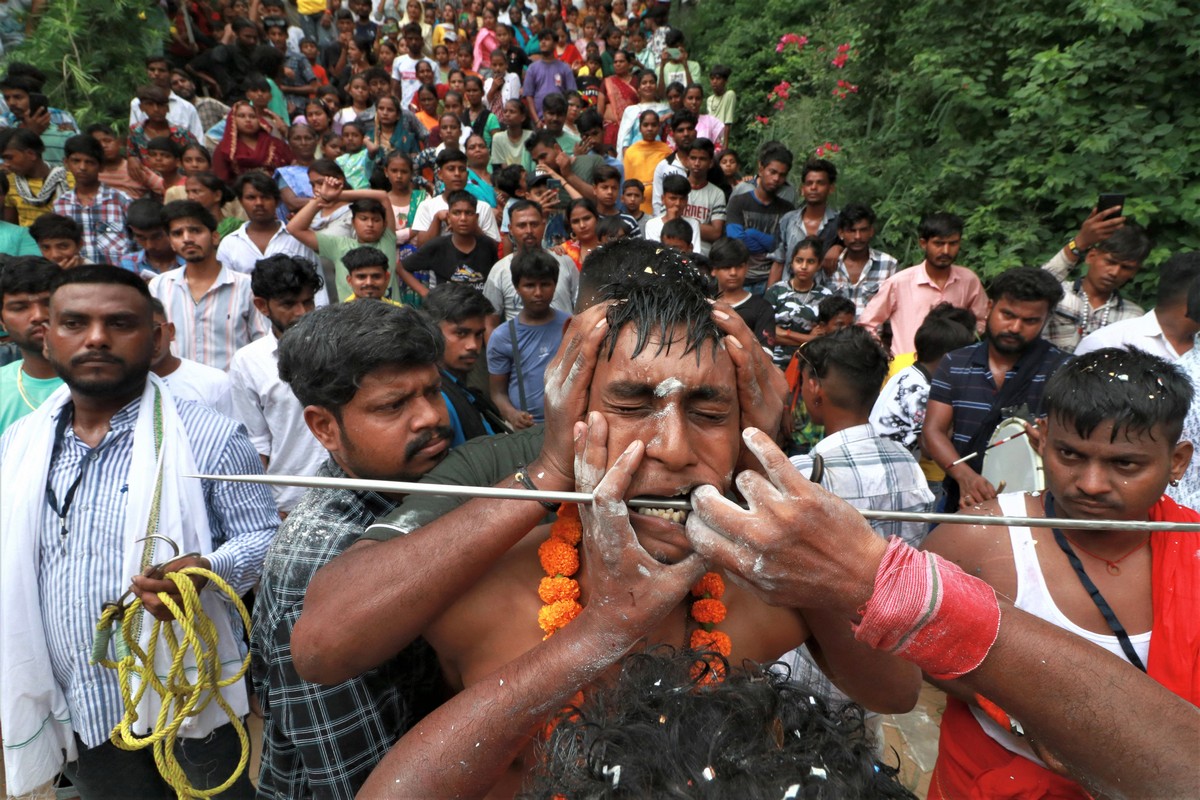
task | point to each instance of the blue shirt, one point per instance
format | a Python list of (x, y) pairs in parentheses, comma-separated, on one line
[(964, 382), (546, 77), (456, 423), (537, 345), (81, 571)]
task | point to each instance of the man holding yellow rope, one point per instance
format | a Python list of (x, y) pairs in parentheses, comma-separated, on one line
[(98, 467)]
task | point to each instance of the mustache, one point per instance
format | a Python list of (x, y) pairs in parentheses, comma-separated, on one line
[(425, 437), (96, 358)]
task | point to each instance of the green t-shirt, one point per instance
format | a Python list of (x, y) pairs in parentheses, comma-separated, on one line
[(504, 152), (480, 462), (335, 248), (21, 394)]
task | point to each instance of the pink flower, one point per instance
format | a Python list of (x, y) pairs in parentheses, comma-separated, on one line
[(844, 48), (853, 89), (779, 106), (835, 148), (779, 47), (820, 151), (761, 120), (839, 62)]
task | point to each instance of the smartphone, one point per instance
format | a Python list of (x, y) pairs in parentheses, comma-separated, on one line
[(554, 183), (673, 52), (37, 101), (1108, 201)]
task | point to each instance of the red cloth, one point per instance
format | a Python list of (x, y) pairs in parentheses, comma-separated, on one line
[(1175, 594), (972, 766), (234, 157)]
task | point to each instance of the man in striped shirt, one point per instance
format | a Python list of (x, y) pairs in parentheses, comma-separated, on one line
[(100, 339), (211, 305)]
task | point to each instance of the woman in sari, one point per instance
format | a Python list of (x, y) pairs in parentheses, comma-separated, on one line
[(582, 217), (647, 91), (485, 40), (479, 179), (643, 156), (426, 100), (248, 144)]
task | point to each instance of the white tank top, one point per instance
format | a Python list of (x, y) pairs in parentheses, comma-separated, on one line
[(1033, 597)]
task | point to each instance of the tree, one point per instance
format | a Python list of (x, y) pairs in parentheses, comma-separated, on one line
[(1014, 115)]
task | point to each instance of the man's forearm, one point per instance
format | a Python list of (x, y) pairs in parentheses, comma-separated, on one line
[(464, 747), (344, 631)]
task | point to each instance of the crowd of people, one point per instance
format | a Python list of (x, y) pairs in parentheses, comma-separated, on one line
[(494, 244)]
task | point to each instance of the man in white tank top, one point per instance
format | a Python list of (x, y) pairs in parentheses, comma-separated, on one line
[(1110, 445)]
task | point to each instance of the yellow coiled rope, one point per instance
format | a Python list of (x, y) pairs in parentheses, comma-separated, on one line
[(180, 698)]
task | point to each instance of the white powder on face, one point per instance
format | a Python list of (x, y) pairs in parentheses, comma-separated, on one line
[(667, 387)]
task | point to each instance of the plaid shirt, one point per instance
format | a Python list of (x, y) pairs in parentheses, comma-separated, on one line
[(323, 741), (103, 224), (1074, 318), (879, 267)]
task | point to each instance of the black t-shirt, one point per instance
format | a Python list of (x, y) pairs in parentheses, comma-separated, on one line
[(518, 60), (759, 317), (447, 264)]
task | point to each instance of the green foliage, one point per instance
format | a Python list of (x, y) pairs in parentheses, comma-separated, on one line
[(93, 52), (1014, 115)]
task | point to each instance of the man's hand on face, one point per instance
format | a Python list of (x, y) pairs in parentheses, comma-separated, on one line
[(796, 546), (568, 381), (628, 591), (761, 385)]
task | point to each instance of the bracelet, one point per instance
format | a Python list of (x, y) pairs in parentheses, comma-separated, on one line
[(522, 477), (1073, 247)]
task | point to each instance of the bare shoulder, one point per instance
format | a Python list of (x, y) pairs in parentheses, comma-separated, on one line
[(981, 550)]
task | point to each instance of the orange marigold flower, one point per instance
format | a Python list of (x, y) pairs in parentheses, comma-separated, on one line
[(568, 529), (708, 612), (557, 615), (558, 557), (711, 584), (568, 511), (716, 641), (551, 590)]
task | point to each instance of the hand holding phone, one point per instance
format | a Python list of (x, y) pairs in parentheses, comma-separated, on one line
[(1108, 201)]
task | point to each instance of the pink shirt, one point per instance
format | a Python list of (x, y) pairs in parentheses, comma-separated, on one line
[(906, 297)]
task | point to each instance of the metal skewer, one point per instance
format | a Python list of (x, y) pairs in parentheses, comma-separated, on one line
[(683, 504), (969, 456)]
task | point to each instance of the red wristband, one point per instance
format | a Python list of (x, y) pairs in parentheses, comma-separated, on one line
[(928, 611)]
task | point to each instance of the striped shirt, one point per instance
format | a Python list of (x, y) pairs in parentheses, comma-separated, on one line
[(1074, 317), (102, 224), (964, 382), (879, 267), (84, 569), (212, 330), (318, 740)]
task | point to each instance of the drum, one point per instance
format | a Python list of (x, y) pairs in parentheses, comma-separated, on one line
[(1015, 463)]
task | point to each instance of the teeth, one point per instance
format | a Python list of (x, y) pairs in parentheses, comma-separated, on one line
[(669, 514)]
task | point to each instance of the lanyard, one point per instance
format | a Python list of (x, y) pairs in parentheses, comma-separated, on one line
[(1105, 609), (59, 433)]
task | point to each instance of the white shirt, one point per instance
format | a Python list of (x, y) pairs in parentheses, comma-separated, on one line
[(503, 295), (671, 165), (404, 70), (511, 90), (429, 209), (654, 231), (201, 384), (1142, 332), (239, 252), (273, 417), (180, 113)]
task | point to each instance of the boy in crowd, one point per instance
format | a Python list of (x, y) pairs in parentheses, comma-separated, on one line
[(678, 234), (860, 269), (833, 314), (463, 256), (373, 226), (99, 210), (368, 275), (722, 102), (32, 185), (24, 314), (187, 379), (675, 202), (728, 260), (59, 239), (632, 196), (432, 218), (147, 231), (519, 351), (706, 201), (899, 411), (606, 182), (461, 315)]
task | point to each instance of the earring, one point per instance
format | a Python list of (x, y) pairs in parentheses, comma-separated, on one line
[(1174, 482)]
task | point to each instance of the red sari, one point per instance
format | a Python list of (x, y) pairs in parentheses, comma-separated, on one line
[(621, 95), (972, 765), (234, 157)]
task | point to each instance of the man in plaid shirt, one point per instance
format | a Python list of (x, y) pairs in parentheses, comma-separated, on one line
[(99, 210), (1112, 251), (367, 376), (860, 268)]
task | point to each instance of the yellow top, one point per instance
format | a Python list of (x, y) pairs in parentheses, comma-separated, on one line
[(388, 300)]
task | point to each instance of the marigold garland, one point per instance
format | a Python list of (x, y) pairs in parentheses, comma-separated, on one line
[(559, 592)]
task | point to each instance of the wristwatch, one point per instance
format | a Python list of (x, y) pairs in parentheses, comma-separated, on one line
[(1073, 247)]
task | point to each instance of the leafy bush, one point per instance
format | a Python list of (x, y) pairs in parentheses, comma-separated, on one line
[(1015, 116), (93, 52)]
